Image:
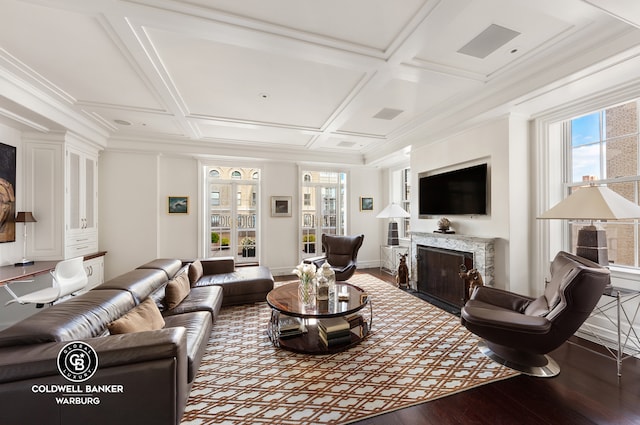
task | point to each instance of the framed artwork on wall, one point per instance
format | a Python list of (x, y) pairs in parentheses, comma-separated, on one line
[(178, 205), (7, 193), (281, 206), (366, 203)]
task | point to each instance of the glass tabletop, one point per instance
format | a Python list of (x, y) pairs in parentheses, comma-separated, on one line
[(348, 299)]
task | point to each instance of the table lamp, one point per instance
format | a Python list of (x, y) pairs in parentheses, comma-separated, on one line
[(24, 217), (393, 211), (593, 203)]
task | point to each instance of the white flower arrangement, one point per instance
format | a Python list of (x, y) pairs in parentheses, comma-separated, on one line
[(305, 272)]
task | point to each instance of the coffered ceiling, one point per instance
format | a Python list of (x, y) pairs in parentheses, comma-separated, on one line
[(346, 81)]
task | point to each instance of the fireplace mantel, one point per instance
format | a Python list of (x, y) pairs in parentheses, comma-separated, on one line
[(483, 251)]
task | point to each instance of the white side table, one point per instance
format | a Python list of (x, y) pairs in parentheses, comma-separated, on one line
[(390, 257)]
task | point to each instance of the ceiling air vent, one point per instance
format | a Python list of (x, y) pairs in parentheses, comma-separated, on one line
[(388, 113), (488, 41), (344, 144)]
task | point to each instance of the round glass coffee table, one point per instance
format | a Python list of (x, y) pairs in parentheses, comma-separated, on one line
[(323, 327)]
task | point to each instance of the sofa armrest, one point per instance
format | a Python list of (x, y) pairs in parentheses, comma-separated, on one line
[(500, 298), (504, 320), (39, 360), (315, 260), (218, 265)]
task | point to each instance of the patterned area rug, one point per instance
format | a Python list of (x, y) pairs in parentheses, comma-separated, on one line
[(415, 353)]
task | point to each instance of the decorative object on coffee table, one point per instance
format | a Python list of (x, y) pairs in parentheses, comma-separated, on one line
[(328, 274), (306, 288), (322, 289)]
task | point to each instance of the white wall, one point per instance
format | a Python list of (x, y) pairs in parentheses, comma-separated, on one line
[(129, 200), (135, 226), (501, 143), (366, 182)]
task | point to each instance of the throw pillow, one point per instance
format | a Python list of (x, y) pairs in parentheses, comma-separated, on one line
[(144, 317), (195, 272), (176, 290)]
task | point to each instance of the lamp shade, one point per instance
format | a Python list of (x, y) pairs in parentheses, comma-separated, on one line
[(593, 203), (25, 217), (393, 211)]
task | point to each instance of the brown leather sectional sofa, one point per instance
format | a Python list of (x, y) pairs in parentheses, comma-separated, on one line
[(139, 376)]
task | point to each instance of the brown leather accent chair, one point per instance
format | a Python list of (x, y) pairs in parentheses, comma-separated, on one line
[(341, 252), (519, 331)]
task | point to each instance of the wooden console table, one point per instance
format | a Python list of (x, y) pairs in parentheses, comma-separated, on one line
[(9, 274)]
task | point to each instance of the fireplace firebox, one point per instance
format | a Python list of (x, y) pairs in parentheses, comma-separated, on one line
[(438, 276)]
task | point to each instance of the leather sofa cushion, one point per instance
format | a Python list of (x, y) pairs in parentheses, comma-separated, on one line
[(169, 266), (144, 317), (140, 282), (198, 325), (195, 271), (176, 290), (205, 298), (80, 317), (244, 285)]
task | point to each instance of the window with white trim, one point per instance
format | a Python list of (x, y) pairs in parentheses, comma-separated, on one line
[(602, 148)]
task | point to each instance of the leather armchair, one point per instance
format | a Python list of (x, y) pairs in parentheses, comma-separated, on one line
[(341, 252), (519, 331)]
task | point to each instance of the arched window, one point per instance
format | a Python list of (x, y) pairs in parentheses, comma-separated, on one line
[(306, 177), (236, 175), (255, 175), (214, 174)]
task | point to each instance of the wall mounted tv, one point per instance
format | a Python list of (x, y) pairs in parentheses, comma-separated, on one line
[(458, 192)]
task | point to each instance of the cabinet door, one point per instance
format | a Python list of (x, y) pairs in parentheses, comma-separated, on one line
[(75, 191), (90, 193), (82, 191), (95, 272)]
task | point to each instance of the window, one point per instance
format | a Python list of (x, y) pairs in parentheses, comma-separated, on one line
[(232, 214), (405, 201), (323, 208), (215, 198), (603, 149)]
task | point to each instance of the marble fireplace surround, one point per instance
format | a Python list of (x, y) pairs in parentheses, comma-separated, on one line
[(483, 251)]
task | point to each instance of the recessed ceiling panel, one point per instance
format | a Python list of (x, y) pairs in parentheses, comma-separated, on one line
[(449, 30), (488, 41), (411, 98), (75, 53), (268, 135), (625, 10), (139, 122), (371, 23), (218, 80)]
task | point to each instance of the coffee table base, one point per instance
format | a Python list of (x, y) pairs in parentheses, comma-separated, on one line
[(309, 342)]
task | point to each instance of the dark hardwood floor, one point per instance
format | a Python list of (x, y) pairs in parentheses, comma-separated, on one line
[(587, 391)]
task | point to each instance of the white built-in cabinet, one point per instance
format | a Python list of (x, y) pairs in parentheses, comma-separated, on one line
[(95, 271), (61, 189), (82, 199)]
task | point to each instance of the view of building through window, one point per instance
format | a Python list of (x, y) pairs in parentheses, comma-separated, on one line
[(233, 212), (604, 150)]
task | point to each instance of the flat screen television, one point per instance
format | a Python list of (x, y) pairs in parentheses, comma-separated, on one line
[(458, 192)]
